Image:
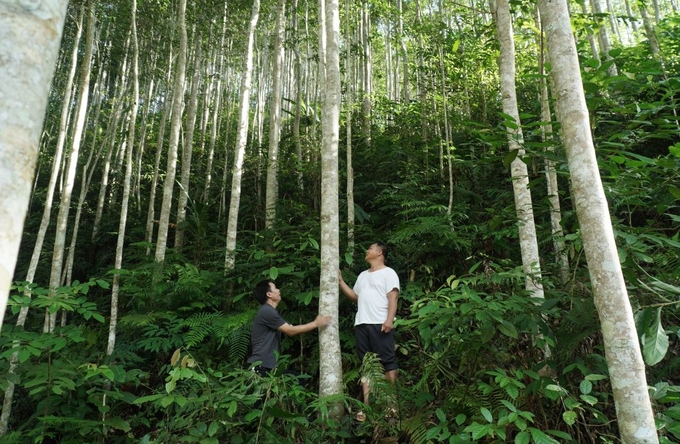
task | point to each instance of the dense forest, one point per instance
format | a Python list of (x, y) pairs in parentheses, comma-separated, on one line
[(520, 159)]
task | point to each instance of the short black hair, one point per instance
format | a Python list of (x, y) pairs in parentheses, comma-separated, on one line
[(261, 290), (383, 248)]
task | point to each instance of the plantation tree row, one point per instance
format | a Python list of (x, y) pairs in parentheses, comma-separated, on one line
[(190, 149)]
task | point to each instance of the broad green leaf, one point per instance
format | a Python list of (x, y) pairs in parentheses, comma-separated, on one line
[(273, 273), (508, 330), (118, 423), (655, 341), (589, 399), (675, 191), (569, 417), (586, 387), (522, 438), (487, 414), (541, 438)]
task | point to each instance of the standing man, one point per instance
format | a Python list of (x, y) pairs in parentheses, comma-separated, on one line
[(268, 326), (375, 292)]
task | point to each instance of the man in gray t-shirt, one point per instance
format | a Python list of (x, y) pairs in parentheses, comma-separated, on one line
[(268, 326)]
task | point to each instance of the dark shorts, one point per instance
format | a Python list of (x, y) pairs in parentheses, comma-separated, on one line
[(369, 338)]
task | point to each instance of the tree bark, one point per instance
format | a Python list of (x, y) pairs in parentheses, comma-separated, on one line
[(272, 190), (29, 43), (518, 169), (67, 191), (622, 349), (175, 129), (241, 138), (188, 145), (330, 365)]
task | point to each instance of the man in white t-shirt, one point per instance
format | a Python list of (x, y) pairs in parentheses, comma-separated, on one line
[(375, 292)]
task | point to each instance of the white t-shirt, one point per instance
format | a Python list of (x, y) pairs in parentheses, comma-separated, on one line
[(372, 287)]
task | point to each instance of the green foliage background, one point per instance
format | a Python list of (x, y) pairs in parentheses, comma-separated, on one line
[(470, 340)]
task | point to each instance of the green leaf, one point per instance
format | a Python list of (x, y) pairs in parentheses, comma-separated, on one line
[(569, 417), (589, 399), (655, 341), (273, 273), (596, 377), (541, 438), (118, 423), (510, 157), (674, 429), (214, 426), (586, 387), (508, 330), (486, 414), (675, 191), (522, 438)]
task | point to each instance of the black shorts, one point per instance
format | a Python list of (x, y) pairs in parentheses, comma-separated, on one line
[(369, 338)]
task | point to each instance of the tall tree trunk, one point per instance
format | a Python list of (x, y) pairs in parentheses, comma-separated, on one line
[(622, 349), (241, 138), (120, 240), (561, 254), (518, 169), (151, 210), (175, 129), (217, 110), (349, 109), (188, 145), (272, 191), (56, 163), (649, 31), (29, 44), (110, 139), (298, 99), (330, 365), (66, 194), (603, 35), (591, 37)]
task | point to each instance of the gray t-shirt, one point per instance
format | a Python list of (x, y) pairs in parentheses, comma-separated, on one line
[(265, 337)]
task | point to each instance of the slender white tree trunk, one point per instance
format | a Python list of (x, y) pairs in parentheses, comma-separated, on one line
[(67, 191), (622, 349), (216, 110), (175, 129), (349, 109), (272, 191), (29, 44), (241, 138), (151, 210), (603, 35), (188, 145), (58, 154), (518, 169), (561, 254), (120, 240), (330, 365)]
